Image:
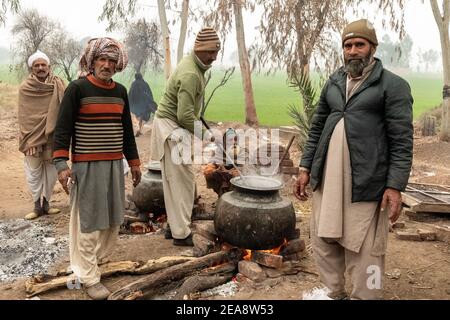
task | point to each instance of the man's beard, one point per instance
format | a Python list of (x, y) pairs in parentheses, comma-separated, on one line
[(355, 67)]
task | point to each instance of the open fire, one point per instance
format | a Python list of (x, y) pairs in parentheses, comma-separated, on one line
[(274, 251)]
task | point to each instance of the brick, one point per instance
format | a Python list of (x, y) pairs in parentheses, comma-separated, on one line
[(291, 257), (293, 246), (290, 170), (294, 235), (398, 225), (287, 163), (423, 216), (442, 233), (410, 236), (252, 270), (273, 273), (267, 259), (426, 235)]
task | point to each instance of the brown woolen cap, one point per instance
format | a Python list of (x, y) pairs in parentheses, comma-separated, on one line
[(360, 29), (207, 40)]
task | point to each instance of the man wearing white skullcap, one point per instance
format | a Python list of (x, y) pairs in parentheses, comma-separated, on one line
[(39, 98)]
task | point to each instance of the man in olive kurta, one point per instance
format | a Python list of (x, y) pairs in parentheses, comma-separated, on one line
[(173, 130), (358, 158)]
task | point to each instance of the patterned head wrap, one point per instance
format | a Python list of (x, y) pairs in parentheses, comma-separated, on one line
[(97, 47)]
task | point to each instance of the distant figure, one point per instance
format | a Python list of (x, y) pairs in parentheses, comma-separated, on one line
[(39, 98), (141, 101)]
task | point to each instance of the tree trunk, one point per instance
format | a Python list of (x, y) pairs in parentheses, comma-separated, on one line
[(166, 39), (251, 118), (183, 30), (442, 21)]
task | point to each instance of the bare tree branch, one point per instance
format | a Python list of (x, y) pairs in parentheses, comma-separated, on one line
[(11, 5)]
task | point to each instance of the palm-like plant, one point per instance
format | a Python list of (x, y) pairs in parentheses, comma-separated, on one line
[(302, 115)]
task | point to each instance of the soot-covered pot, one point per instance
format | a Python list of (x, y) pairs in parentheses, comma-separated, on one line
[(148, 196), (254, 215)]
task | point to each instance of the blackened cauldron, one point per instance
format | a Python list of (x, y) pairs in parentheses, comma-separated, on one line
[(253, 215)]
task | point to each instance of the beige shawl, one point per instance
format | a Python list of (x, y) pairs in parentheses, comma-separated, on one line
[(38, 110)]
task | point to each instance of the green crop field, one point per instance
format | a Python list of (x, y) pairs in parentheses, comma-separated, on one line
[(272, 94)]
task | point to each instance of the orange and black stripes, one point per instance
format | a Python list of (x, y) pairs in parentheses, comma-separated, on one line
[(101, 127)]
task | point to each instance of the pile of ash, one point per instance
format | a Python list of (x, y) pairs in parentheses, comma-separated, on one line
[(28, 249)]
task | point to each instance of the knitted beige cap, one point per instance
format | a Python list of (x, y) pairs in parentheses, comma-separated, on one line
[(360, 29)]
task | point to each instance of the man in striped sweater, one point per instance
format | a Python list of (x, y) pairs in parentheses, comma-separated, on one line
[(95, 121)]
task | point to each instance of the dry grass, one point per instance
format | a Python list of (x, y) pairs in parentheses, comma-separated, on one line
[(8, 96), (9, 129)]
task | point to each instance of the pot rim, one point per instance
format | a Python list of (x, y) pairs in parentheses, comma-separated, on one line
[(154, 166), (278, 185)]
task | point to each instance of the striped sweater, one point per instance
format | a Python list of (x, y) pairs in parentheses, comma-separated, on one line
[(95, 119)]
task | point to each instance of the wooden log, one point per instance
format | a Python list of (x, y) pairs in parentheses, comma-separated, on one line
[(267, 259), (199, 283), (202, 245), (206, 279), (221, 269), (151, 283), (43, 283), (429, 126), (152, 266), (293, 246)]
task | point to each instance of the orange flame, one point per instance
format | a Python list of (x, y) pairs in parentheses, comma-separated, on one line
[(275, 251)]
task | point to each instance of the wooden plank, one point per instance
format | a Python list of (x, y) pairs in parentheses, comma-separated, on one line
[(409, 200), (429, 207), (438, 187), (427, 194), (427, 198)]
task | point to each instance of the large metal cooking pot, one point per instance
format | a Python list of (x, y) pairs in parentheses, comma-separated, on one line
[(254, 215), (148, 196)]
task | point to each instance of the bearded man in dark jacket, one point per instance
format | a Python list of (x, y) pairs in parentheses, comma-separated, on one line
[(358, 158)]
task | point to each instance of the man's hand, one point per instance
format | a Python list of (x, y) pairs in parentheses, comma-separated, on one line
[(63, 178), (300, 185), (393, 198), (136, 175)]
